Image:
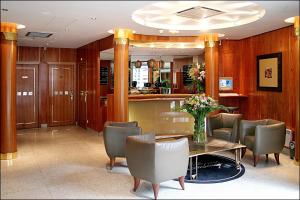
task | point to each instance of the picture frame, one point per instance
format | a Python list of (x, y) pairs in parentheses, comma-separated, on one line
[(269, 72)]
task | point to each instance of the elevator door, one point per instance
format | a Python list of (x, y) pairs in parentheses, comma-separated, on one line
[(61, 89), (27, 96)]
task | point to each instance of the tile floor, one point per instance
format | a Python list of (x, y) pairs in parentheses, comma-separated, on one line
[(70, 162)]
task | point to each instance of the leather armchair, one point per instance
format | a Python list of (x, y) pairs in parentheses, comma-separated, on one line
[(263, 137), (115, 134), (156, 162), (224, 126)]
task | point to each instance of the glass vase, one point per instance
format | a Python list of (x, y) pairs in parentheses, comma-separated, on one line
[(199, 136)]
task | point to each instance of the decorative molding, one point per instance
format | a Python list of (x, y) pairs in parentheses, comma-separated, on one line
[(121, 41), (9, 36), (8, 156)]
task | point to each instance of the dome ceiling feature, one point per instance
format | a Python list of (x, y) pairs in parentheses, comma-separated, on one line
[(198, 15)]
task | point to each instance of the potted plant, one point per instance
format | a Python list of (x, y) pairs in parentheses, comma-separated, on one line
[(199, 106)]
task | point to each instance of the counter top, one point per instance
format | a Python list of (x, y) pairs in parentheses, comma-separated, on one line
[(158, 97), (169, 97)]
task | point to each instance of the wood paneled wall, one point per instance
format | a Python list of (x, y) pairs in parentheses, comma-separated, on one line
[(43, 57), (90, 54), (238, 59)]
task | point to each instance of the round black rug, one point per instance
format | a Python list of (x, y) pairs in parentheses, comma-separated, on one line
[(215, 169)]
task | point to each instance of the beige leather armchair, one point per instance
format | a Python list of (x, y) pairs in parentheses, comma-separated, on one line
[(224, 126), (115, 134), (263, 137), (156, 162)]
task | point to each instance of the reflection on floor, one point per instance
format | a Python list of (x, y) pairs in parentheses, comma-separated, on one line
[(70, 162)]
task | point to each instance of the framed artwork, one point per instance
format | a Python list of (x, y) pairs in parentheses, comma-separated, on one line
[(269, 72)]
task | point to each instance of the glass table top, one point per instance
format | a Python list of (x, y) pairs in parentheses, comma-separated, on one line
[(212, 146)]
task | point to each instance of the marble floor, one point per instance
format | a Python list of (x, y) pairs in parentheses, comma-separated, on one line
[(71, 163)]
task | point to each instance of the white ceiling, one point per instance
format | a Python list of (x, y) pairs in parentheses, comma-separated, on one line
[(56, 16)]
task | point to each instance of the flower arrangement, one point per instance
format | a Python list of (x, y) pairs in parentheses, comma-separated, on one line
[(197, 73), (199, 106)]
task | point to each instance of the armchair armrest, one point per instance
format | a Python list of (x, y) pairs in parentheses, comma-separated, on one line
[(140, 156), (171, 159), (247, 127), (269, 138)]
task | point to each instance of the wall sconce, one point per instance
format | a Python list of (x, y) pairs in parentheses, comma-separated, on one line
[(294, 20)]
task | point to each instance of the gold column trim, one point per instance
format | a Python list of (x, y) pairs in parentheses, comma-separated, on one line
[(8, 156), (8, 36), (122, 41), (210, 43)]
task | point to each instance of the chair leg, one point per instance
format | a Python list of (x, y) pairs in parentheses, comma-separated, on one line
[(255, 159), (277, 158), (136, 183), (181, 181), (112, 162), (243, 152), (267, 157), (155, 189)]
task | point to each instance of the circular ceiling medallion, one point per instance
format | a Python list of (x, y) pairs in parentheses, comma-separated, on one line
[(198, 15)]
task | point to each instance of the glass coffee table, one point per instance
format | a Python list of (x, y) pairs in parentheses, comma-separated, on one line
[(212, 146)]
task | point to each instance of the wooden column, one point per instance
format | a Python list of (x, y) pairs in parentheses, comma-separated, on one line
[(121, 79), (8, 138), (297, 70), (211, 70)]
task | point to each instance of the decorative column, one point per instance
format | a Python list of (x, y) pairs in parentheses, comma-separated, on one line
[(8, 138), (211, 65), (121, 44)]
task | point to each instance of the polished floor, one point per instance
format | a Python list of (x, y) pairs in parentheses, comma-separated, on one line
[(70, 162)]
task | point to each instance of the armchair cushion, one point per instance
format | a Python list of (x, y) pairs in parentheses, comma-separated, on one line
[(224, 126), (222, 133)]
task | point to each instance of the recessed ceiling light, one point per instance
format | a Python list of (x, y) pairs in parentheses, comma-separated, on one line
[(290, 20), (20, 26), (161, 31), (221, 35), (173, 31), (111, 31)]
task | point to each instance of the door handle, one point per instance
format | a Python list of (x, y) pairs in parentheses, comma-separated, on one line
[(85, 96), (71, 95)]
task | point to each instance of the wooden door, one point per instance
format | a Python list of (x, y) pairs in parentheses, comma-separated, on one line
[(82, 98), (68, 114), (27, 96), (61, 84)]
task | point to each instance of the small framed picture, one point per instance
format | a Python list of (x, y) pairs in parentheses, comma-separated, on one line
[(269, 72)]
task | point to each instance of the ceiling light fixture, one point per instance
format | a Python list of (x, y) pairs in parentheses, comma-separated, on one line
[(198, 15), (173, 31), (161, 31), (20, 26), (295, 21)]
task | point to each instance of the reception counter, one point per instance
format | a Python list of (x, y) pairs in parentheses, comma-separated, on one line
[(156, 112)]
